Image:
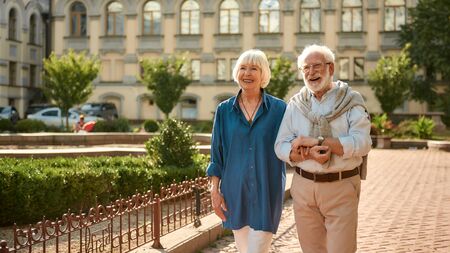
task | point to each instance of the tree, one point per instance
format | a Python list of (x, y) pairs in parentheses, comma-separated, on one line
[(429, 37), (166, 79), (68, 79), (391, 80), (283, 78)]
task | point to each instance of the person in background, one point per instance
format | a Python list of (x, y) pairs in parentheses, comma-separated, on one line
[(79, 125), (324, 135), (247, 178)]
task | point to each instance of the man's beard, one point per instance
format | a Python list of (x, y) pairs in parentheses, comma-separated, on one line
[(322, 85)]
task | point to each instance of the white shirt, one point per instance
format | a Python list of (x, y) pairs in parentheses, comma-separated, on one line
[(352, 128)]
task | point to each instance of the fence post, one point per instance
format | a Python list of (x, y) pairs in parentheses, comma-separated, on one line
[(3, 246), (156, 223), (197, 222)]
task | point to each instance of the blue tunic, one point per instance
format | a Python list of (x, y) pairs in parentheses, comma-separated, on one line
[(243, 157)]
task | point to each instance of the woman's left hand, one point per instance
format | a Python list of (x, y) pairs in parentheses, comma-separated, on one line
[(218, 204)]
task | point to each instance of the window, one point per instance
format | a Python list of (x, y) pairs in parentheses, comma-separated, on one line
[(394, 14), (114, 23), (343, 69), (51, 113), (269, 16), (12, 24), (358, 68), (32, 75), (352, 16), (232, 64), (12, 73), (229, 17), (189, 108), (221, 69), (78, 19), (33, 27), (152, 18), (195, 68), (310, 16), (190, 17)]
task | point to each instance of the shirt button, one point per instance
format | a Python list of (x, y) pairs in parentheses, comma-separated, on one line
[(250, 149), (251, 167)]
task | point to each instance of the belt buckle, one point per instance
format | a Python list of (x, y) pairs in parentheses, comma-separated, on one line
[(314, 177), (340, 175)]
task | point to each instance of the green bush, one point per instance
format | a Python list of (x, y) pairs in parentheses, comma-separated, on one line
[(30, 126), (173, 147), (404, 129), (117, 125), (151, 126), (32, 188), (6, 125), (381, 125), (423, 127), (201, 126)]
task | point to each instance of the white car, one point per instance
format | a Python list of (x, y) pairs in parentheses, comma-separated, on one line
[(53, 117)]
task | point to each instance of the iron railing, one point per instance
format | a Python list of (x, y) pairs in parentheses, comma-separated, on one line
[(119, 227)]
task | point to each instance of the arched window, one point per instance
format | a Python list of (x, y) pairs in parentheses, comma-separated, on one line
[(12, 24), (394, 14), (114, 23), (229, 17), (310, 16), (152, 18), (351, 16), (269, 16), (190, 17), (33, 27), (78, 19)]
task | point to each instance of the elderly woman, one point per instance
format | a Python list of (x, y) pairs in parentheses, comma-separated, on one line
[(247, 177)]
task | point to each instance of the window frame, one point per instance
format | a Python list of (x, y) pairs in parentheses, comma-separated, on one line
[(341, 69), (352, 17), (152, 19), (310, 10), (269, 17), (12, 73), (355, 76), (395, 8), (12, 24), (224, 75), (190, 18), (114, 15), (79, 15), (230, 15)]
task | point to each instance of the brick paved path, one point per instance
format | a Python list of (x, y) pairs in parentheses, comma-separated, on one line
[(404, 207)]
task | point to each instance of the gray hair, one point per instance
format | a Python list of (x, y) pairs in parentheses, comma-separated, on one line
[(258, 58), (324, 50)]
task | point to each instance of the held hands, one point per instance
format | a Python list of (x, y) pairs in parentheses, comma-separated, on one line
[(218, 204), (305, 148)]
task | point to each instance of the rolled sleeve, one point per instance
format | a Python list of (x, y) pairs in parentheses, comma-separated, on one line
[(358, 142), (285, 136), (214, 169)]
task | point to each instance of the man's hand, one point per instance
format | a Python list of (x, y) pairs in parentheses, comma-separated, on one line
[(303, 141), (320, 154), (218, 204)]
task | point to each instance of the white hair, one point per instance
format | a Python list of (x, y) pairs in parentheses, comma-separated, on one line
[(255, 57), (324, 50)]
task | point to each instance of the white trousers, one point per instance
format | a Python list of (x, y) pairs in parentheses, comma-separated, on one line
[(249, 240)]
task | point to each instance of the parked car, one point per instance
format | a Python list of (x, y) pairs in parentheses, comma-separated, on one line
[(104, 110), (9, 112), (54, 117), (33, 108)]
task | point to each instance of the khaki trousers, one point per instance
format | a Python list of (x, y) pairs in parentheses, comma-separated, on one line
[(326, 214)]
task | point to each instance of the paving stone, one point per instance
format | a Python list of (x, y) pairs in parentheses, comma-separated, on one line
[(404, 206)]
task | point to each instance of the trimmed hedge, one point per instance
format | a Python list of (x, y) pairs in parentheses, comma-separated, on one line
[(32, 188)]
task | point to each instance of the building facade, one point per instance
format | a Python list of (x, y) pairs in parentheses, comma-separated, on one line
[(214, 33), (23, 46)]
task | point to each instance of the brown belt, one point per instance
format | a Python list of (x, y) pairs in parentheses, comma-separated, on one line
[(328, 177)]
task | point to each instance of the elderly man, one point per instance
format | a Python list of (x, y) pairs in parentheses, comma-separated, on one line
[(324, 135)]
